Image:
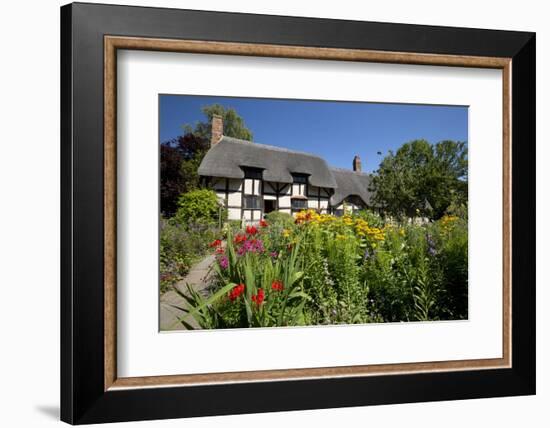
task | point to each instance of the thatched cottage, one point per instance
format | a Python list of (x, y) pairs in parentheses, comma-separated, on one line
[(254, 179)]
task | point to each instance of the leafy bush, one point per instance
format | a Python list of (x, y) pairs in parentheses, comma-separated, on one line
[(279, 218), (199, 206)]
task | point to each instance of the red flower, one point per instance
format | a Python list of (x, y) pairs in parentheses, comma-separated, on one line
[(277, 285), (251, 230), (259, 297), (239, 238), (219, 250), (236, 292), (216, 243), (264, 223)]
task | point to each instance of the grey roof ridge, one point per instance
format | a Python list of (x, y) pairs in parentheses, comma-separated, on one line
[(267, 146), (335, 168)]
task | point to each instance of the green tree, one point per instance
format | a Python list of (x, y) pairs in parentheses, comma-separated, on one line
[(420, 178), (180, 157), (233, 123)]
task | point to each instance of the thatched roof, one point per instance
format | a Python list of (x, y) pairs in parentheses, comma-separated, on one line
[(230, 155), (350, 183)]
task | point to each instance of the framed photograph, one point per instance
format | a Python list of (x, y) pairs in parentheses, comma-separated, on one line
[(266, 213)]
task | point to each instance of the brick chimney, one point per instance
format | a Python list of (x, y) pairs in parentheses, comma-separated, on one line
[(217, 130), (357, 163)]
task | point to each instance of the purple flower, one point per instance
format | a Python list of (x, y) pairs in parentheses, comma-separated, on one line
[(251, 246), (367, 254), (274, 254), (224, 262)]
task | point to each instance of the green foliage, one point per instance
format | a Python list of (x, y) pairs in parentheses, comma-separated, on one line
[(322, 269), (179, 162), (199, 206), (264, 291), (233, 123), (180, 248), (422, 179), (283, 219)]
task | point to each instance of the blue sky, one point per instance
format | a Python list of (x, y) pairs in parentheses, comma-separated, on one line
[(334, 130)]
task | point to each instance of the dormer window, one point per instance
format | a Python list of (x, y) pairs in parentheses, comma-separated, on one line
[(299, 185)]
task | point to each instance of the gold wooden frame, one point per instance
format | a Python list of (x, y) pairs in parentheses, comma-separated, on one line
[(113, 43)]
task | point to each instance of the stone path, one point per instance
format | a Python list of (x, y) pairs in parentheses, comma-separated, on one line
[(198, 278)]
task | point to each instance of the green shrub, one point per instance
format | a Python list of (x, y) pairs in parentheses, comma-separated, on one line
[(285, 220), (199, 206)]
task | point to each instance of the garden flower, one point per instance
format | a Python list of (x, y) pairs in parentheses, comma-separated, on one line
[(236, 292), (367, 254), (224, 262), (251, 230), (219, 250), (215, 243), (259, 297), (286, 233), (251, 246), (274, 254), (277, 285), (264, 223), (240, 238)]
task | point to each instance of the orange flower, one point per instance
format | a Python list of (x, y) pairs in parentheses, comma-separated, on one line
[(215, 243), (251, 230), (239, 238), (236, 292), (277, 285), (259, 298)]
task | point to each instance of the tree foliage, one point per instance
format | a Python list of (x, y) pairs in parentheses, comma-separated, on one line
[(422, 179), (233, 124), (179, 161), (180, 157)]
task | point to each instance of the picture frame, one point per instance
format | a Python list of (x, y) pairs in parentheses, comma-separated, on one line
[(91, 391)]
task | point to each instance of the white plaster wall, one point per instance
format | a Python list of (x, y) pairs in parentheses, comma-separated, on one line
[(233, 214), (284, 201), (234, 199), (312, 203)]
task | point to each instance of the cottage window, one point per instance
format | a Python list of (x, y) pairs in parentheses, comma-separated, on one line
[(252, 202), (299, 204)]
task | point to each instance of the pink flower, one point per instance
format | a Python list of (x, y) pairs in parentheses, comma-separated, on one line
[(224, 262)]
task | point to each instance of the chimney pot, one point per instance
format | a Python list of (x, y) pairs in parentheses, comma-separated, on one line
[(217, 130), (357, 163)]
